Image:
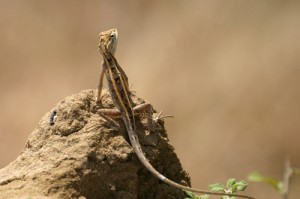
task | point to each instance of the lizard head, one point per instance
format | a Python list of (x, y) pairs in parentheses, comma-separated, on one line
[(108, 40)]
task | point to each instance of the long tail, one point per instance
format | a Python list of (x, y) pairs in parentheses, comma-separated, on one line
[(138, 151)]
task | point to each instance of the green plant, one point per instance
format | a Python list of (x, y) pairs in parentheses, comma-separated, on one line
[(275, 183), (281, 186), (231, 187)]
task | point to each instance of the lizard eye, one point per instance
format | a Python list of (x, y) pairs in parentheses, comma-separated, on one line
[(112, 35)]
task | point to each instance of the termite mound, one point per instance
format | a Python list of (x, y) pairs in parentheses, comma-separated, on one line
[(75, 153)]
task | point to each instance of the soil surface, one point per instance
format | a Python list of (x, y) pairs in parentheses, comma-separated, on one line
[(82, 155)]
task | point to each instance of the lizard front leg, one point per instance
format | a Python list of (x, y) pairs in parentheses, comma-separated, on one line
[(100, 85)]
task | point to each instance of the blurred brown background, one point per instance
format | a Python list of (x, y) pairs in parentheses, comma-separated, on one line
[(228, 70)]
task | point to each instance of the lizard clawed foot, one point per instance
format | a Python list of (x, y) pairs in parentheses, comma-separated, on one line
[(96, 125), (115, 124), (153, 122), (93, 127), (99, 101), (159, 116), (130, 86)]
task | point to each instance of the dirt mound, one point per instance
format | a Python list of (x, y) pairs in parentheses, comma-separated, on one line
[(82, 155)]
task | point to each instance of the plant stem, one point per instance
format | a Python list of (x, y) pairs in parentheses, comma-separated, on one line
[(287, 174)]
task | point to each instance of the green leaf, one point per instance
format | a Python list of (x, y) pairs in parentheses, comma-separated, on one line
[(233, 188), (230, 182), (227, 197), (192, 195), (241, 185), (218, 187), (204, 196), (296, 171), (189, 193), (256, 177), (280, 187)]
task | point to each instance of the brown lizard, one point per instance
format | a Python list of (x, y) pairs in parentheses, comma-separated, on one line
[(118, 86)]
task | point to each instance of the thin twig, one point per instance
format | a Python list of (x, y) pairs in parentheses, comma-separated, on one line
[(287, 174)]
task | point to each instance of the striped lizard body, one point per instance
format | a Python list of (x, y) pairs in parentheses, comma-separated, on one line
[(118, 86)]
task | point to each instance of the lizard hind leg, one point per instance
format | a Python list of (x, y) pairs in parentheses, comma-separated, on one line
[(109, 114), (104, 113), (100, 85)]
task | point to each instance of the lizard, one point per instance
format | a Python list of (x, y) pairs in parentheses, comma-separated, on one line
[(119, 90)]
